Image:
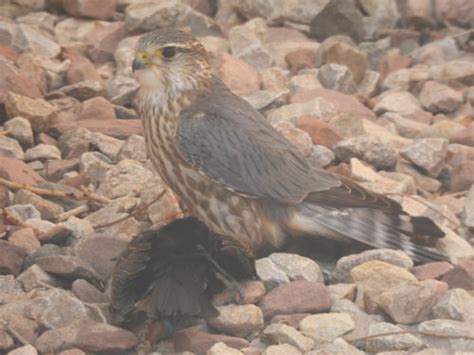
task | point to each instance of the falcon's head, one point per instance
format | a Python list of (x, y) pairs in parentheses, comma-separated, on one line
[(170, 60)]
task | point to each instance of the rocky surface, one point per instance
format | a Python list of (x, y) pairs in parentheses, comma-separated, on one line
[(379, 91)]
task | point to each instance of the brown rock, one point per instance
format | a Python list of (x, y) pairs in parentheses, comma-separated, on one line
[(296, 297), (83, 90), (55, 235), (82, 69), (8, 53), (26, 327), (465, 136), (341, 102), (13, 80), (300, 59), (433, 270), (461, 276), (253, 292), (55, 169), (96, 9), (25, 238), (238, 75), (87, 292), (392, 62), (70, 267), (319, 131), (238, 320), (37, 111), (97, 108), (436, 97), (102, 47), (344, 54), (17, 171), (199, 342), (11, 258), (120, 129), (413, 302), (462, 174)]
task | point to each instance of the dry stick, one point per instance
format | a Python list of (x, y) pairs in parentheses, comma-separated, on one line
[(72, 213), (414, 332), (416, 198), (132, 214)]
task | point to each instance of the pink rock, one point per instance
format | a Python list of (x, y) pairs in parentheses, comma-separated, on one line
[(96, 9)]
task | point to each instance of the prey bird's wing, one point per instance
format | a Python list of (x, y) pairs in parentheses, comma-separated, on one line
[(223, 137)]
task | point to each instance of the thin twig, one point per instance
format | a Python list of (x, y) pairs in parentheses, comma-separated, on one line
[(458, 194), (74, 212), (132, 214), (413, 332), (93, 196), (416, 198)]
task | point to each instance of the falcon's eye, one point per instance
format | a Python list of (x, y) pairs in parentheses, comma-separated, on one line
[(168, 52)]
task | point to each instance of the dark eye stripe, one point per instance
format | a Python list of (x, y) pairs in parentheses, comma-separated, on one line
[(168, 52)]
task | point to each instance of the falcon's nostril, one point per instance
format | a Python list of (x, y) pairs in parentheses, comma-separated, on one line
[(137, 64)]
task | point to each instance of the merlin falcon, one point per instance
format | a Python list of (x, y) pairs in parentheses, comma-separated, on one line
[(234, 172)]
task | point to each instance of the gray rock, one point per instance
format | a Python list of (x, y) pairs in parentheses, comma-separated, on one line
[(10, 148), (447, 327), (303, 82), (429, 154), (406, 127), (126, 177), (339, 346), (369, 85), (42, 152), (270, 274), (20, 129), (241, 321), (321, 156), (391, 342), (95, 165), (338, 17), (30, 38), (384, 13), (297, 267), (369, 148), (84, 90), (36, 277), (318, 107), (326, 327), (68, 266), (436, 97), (222, 349), (456, 304), (344, 265), (401, 102), (39, 224), (245, 45), (22, 212), (283, 349), (109, 146), (278, 333), (47, 209), (337, 77), (133, 148), (468, 212), (266, 99)]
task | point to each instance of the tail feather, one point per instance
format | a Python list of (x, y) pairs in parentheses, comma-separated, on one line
[(373, 227)]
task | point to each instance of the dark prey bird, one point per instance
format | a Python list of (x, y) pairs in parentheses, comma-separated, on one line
[(174, 271), (233, 171)]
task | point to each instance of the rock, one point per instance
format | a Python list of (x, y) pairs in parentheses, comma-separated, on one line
[(11, 258), (42, 152), (344, 265), (464, 136), (299, 138), (241, 321), (369, 148), (369, 84), (31, 38), (25, 238), (401, 102), (56, 169), (95, 165), (300, 59), (271, 275), (456, 304), (436, 97), (462, 276), (82, 69), (459, 12), (22, 212), (35, 277), (222, 349), (336, 77), (108, 146), (406, 127), (442, 129), (321, 156), (447, 327), (339, 346), (97, 108), (263, 100), (297, 267), (413, 302), (281, 333), (10, 148), (196, 341), (6, 342), (39, 224), (84, 90), (149, 16), (468, 211), (296, 297), (280, 11), (90, 8), (338, 17), (283, 349), (69, 267), (133, 148), (391, 342), (326, 327), (126, 177), (37, 111), (20, 129), (121, 129), (239, 76), (87, 292), (47, 209), (246, 45), (274, 78), (428, 154), (24, 350), (343, 291), (391, 63), (434, 270), (253, 291), (88, 336)]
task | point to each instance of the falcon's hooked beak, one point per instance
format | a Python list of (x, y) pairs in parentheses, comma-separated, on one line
[(137, 64)]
